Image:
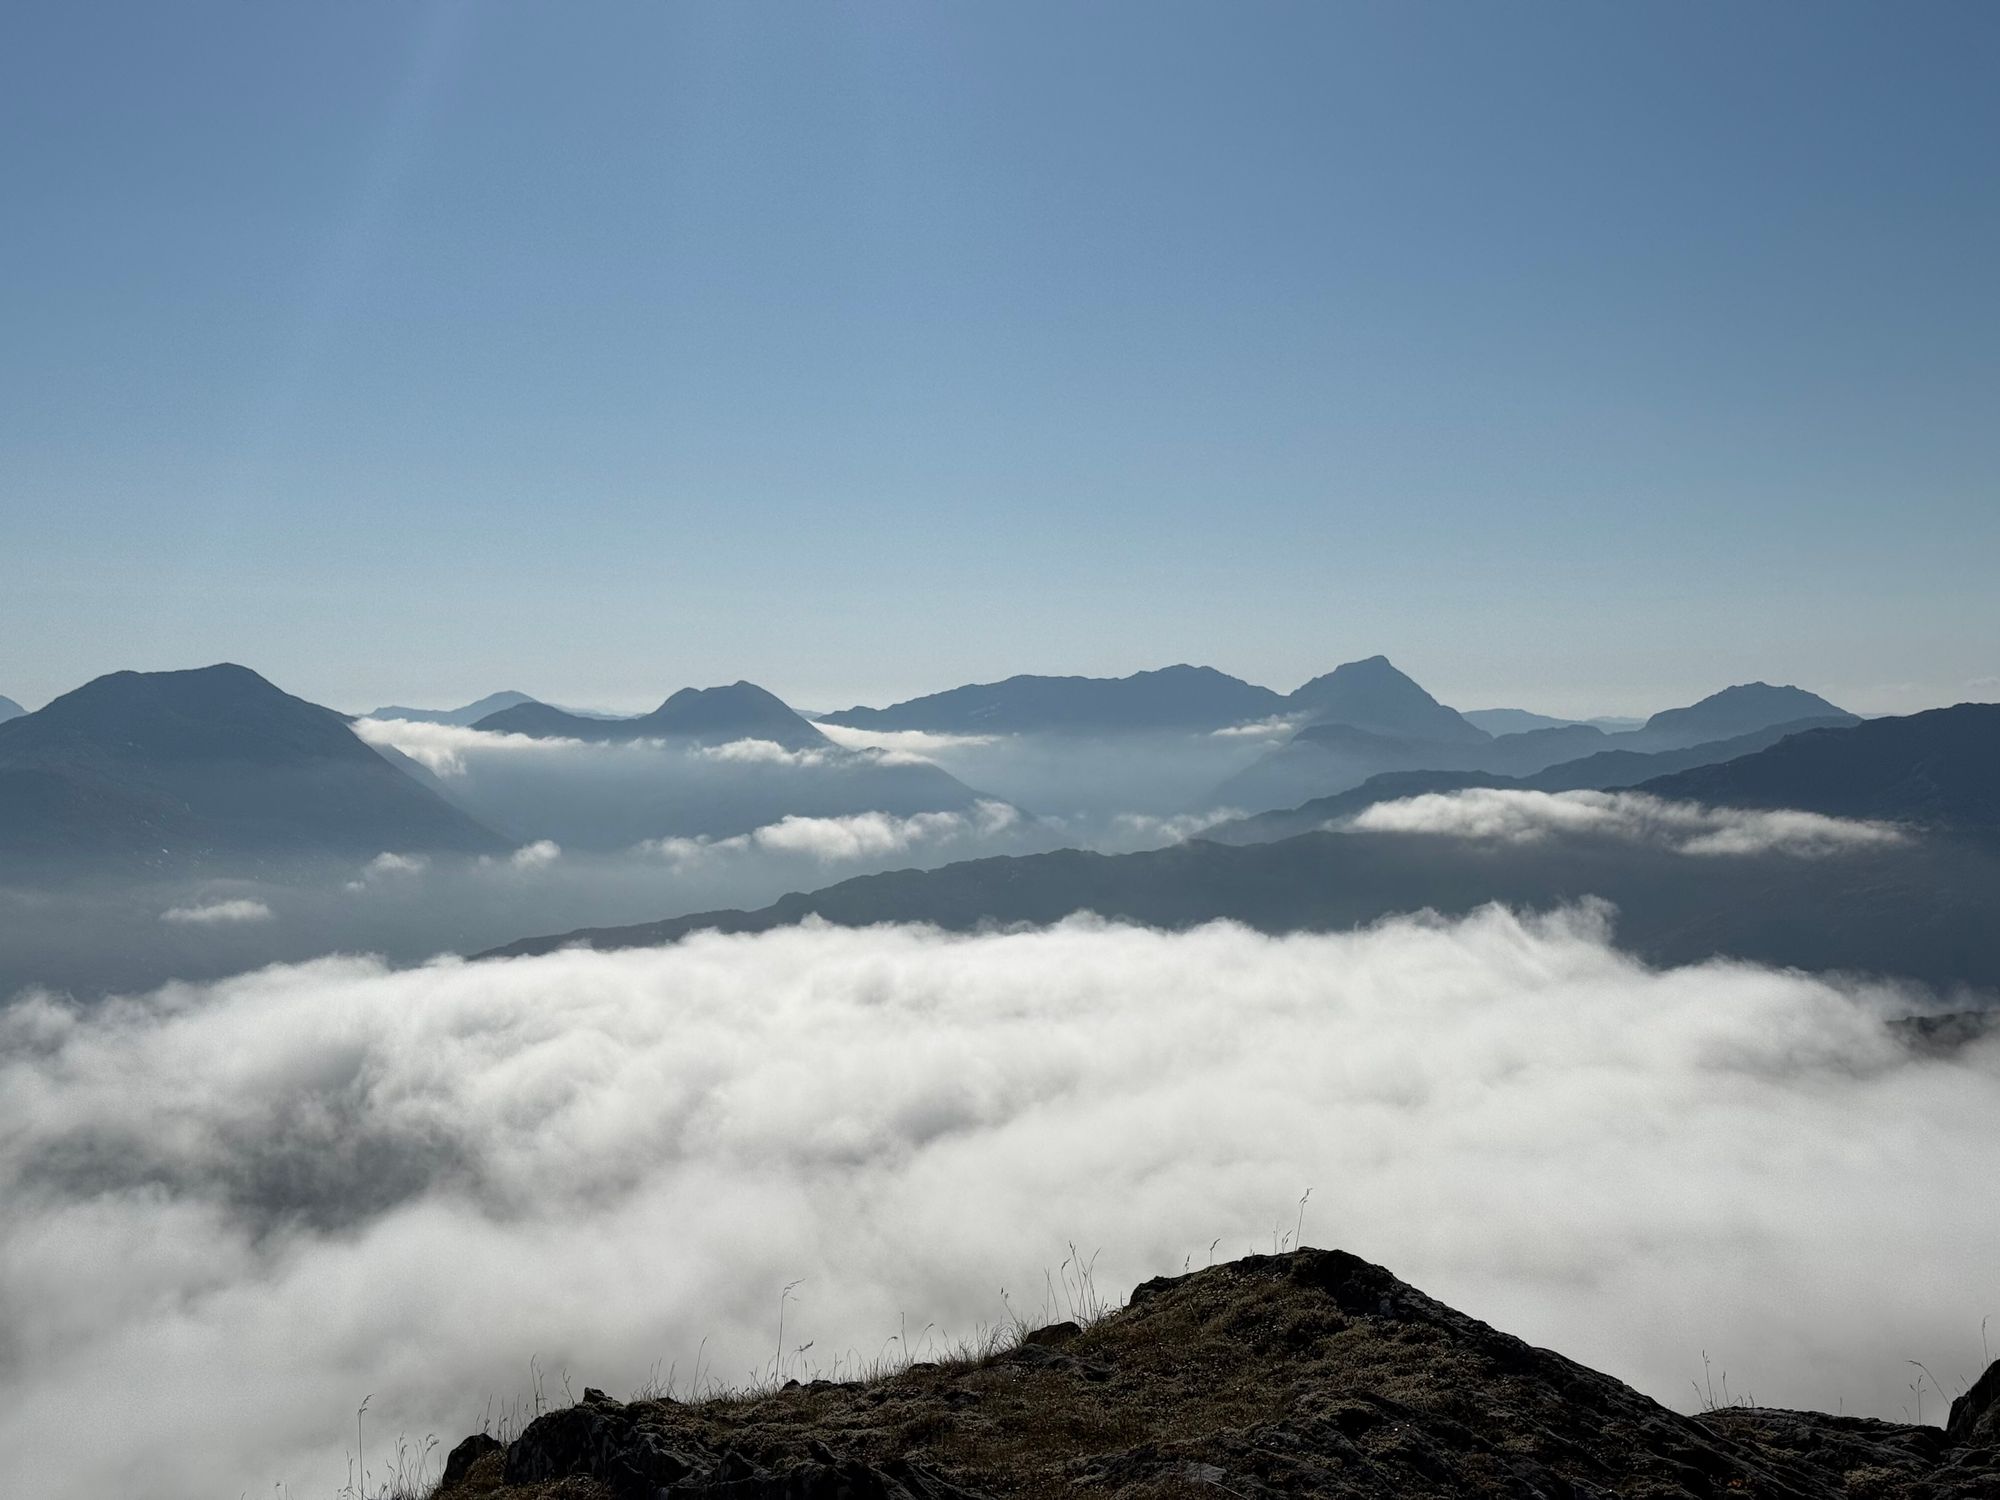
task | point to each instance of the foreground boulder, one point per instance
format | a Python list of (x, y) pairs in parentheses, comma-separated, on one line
[(1309, 1374)]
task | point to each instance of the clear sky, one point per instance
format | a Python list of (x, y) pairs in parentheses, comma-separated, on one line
[(1583, 357)]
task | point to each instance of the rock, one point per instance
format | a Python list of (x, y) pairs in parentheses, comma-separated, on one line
[(461, 1459), (1975, 1416), (1280, 1377), (601, 1439), (1055, 1335)]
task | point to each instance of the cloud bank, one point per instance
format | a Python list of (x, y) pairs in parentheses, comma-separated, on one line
[(235, 1209), (1521, 817), (217, 913), (443, 749), (921, 743), (868, 835)]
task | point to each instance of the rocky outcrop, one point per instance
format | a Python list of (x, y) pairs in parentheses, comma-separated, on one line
[(1309, 1374)]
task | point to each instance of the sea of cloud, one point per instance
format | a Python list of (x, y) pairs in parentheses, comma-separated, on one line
[(848, 838), (1524, 817), (235, 1209)]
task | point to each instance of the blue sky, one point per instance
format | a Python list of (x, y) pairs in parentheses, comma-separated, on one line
[(1584, 357)]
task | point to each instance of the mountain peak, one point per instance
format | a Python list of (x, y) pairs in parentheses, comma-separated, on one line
[(1373, 694), (184, 763), (1743, 709)]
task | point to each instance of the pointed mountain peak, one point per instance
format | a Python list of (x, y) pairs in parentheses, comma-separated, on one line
[(1372, 694)]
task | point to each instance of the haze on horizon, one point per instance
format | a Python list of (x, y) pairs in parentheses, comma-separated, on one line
[(1583, 360)]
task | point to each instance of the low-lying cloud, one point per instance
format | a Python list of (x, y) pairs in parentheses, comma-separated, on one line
[(868, 835), (1521, 817), (443, 749), (922, 743), (760, 753), (217, 914), (234, 1209)]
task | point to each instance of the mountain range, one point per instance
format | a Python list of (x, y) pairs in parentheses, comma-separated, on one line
[(1604, 770), (1332, 755), (700, 716), (1919, 907), (470, 713), (161, 767), (9, 709)]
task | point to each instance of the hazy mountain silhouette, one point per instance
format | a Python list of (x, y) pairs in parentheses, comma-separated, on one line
[(1921, 909), (9, 709), (704, 716), (1178, 697), (164, 766), (1322, 760), (1603, 771), (1373, 695), (1513, 720), (471, 713), (1940, 768), (1742, 709)]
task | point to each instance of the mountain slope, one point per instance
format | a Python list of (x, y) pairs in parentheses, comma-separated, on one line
[(1373, 695), (1512, 720), (702, 716), (1603, 771), (162, 766), (1938, 768), (1326, 759), (1313, 1373), (470, 713), (1742, 709), (1920, 908), (9, 709), (1177, 697)]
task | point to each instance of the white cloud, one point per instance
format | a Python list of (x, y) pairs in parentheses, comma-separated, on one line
[(235, 1209), (1521, 817), (218, 913), (1145, 828), (1258, 729), (867, 835), (760, 753), (443, 748), (389, 865), (536, 856), (912, 744)]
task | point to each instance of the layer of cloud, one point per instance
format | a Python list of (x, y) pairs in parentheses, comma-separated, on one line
[(857, 836), (217, 913), (443, 749), (1257, 729), (1520, 817), (235, 1209), (761, 753), (536, 856), (1146, 830), (922, 744)]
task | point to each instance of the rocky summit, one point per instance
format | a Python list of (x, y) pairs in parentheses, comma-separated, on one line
[(1308, 1374)]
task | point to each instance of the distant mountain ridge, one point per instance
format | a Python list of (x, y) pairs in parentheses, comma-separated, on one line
[(1603, 770), (470, 713), (1369, 694), (1372, 695), (1323, 760), (173, 765), (1921, 909), (705, 716), (1741, 709), (9, 709), (1939, 768), (1176, 697)]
